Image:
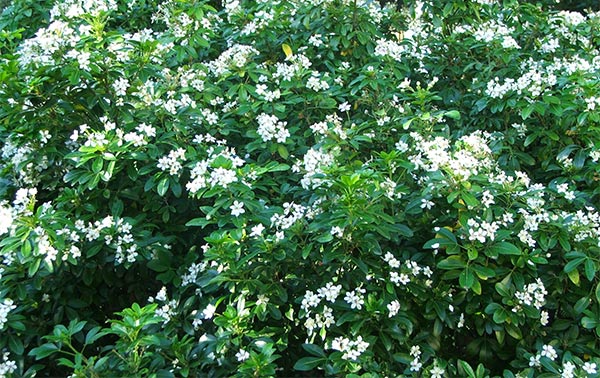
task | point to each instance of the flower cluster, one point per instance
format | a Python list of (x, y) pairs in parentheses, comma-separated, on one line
[(534, 294), (234, 58), (471, 155), (270, 127), (114, 232), (407, 269), (7, 366), (314, 164), (351, 349), (172, 163), (220, 168), (167, 310)]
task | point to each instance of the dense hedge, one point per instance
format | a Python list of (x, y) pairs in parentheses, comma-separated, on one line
[(299, 188)]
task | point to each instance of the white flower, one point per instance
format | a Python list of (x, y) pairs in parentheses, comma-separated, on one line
[(330, 292), (568, 370), (310, 300), (352, 349), (590, 367), (534, 361), (120, 86), (337, 231), (5, 307), (355, 298), (549, 351), (162, 294), (415, 365), (7, 366), (6, 219), (257, 230), (270, 127), (544, 318), (344, 107), (415, 351), (393, 308), (261, 299), (437, 372), (426, 204), (237, 208), (209, 311), (315, 40), (242, 355)]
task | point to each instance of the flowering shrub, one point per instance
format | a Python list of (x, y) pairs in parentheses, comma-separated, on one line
[(299, 188)]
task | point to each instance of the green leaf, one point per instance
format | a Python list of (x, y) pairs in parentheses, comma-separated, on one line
[(589, 323), (163, 186), (308, 363), (313, 349), (97, 165), (282, 151), (43, 351), (483, 272), (454, 114), (287, 50), (116, 209), (34, 266), (17, 325), (505, 248), (325, 237), (573, 264), (76, 326), (202, 222), (480, 371), (513, 331), (466, 369), (466, 278), (15, 344), (452, 262), (469, 199), (581, 305), (590, 269), (472, 254), (526, 112), (501, 315), (549, 365), (574, 277), (26, 249), (94, 334), (503, 290), (530, 139)]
